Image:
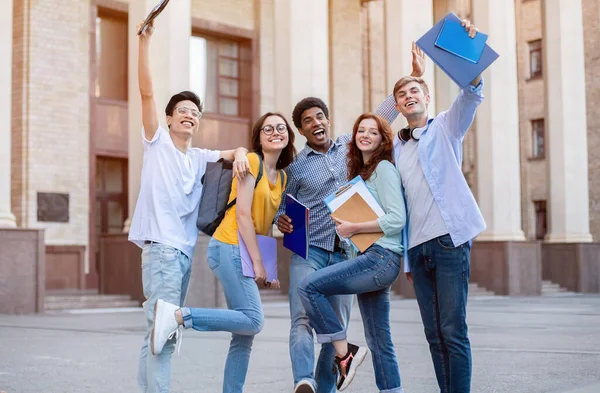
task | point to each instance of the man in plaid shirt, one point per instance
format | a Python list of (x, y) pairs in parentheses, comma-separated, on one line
[(319, 170)]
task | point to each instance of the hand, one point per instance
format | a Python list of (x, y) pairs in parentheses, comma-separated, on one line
[(145, 36), (409, 278), (284, 224), (418, 61), (471, 29), (344, 228), (274, 284), (241, 167), (260, 274)]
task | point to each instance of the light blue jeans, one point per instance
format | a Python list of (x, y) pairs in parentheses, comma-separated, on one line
[(165, 275), (302, 349), (244, 319), (369, 275)]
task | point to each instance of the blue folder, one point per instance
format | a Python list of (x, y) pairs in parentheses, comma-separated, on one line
[(461, 71), (455, 39), (297, 241)]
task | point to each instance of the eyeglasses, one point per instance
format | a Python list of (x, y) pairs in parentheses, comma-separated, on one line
[(268, 130), (182, 110)]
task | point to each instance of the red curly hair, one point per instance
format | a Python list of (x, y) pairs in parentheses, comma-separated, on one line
[(356, 166)]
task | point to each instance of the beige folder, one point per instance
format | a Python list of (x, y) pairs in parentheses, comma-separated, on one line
[(355, 209)]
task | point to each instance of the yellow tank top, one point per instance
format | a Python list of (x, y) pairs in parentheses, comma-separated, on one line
[(266, 201)]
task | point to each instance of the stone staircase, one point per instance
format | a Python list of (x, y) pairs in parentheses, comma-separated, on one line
[(551, 289), (71, 300), (476, 291)]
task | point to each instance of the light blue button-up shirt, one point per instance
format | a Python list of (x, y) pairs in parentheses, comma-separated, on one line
[(440, 156)]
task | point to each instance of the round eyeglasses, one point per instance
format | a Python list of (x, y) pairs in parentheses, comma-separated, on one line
[(268, 130), (182, 110)]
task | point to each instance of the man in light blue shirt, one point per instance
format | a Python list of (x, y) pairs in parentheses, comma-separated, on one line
[(443, 218)]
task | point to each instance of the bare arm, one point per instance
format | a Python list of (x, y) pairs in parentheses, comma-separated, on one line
[(245, 195), (241, 167), (149, 115)]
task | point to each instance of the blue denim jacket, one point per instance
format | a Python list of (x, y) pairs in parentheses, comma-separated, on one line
[(440, 155)]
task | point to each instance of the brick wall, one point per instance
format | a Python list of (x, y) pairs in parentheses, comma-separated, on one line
[(531, 106), (239, 13), (51, 115), (591, 33)]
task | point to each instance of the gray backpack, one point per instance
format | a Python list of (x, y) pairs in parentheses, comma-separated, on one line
[(215, 194)]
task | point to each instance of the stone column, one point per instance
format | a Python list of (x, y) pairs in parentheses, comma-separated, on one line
[(569, 256), (501, 260), (300, 53), (497, 121), (7, 219), (406, 22), (566, 122), (169, 58), (345, 54)]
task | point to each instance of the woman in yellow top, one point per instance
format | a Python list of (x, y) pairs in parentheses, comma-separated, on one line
[(253, 214)]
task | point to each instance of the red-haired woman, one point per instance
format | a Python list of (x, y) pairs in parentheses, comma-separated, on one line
[(372, 272)]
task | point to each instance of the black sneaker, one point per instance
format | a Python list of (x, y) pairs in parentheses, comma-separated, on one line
[(348, 364)]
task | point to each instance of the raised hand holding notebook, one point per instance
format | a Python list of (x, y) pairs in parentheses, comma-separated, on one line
[(455, 39), (153, 14), (297, 241), (268, 252), (354, 202), (461, 71)]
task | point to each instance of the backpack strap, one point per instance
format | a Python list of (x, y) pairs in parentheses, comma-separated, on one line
[(258, 177), (281, 174)]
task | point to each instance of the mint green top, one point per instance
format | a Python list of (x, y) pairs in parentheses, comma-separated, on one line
[(384, 183)]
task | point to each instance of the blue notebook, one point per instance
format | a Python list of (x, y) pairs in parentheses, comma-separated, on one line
[(297, 241), (455, 39), (268, 251), (461, 71)]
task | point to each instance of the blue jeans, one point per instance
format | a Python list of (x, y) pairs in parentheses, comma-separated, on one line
[(302, 347), (440, 274), (244, 319), (165, 275), (369, 275)]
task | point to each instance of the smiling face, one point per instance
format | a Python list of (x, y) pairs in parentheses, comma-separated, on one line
[(315, 128), (411, 101), (274, 135), (185, 118), (368, 137)]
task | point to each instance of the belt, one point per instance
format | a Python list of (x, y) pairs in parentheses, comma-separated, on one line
[(149, 242), (336, 245)]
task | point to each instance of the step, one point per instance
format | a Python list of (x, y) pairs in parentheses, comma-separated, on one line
[(550, 288), (85, 298), (271, 295), (72, 305), (476, 290)]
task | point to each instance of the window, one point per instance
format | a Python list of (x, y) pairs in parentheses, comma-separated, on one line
[(538, 139), (540, 219), (219, 73), (535, 59), (111, 55)]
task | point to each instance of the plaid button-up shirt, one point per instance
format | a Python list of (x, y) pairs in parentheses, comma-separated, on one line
[(314, 175)]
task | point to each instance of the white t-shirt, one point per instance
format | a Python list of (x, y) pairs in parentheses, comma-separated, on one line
[(167, 205), (424, 217)]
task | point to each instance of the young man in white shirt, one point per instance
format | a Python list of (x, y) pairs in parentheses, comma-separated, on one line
[(164, 221)]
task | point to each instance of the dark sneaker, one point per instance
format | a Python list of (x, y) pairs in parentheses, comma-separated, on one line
[(304, 386), (348, 364)]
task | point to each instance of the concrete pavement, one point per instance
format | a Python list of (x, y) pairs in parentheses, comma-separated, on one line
[(525, 345)]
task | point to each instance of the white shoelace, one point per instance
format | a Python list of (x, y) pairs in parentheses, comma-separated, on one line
[(178, 333)]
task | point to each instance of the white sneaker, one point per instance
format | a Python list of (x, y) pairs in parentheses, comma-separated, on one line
[(304, 386), (165, 326)]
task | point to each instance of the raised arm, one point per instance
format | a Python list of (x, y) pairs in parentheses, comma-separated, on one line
[(387, 109), (149, 115)]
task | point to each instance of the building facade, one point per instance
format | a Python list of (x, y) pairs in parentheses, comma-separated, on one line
[(70, 156)]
